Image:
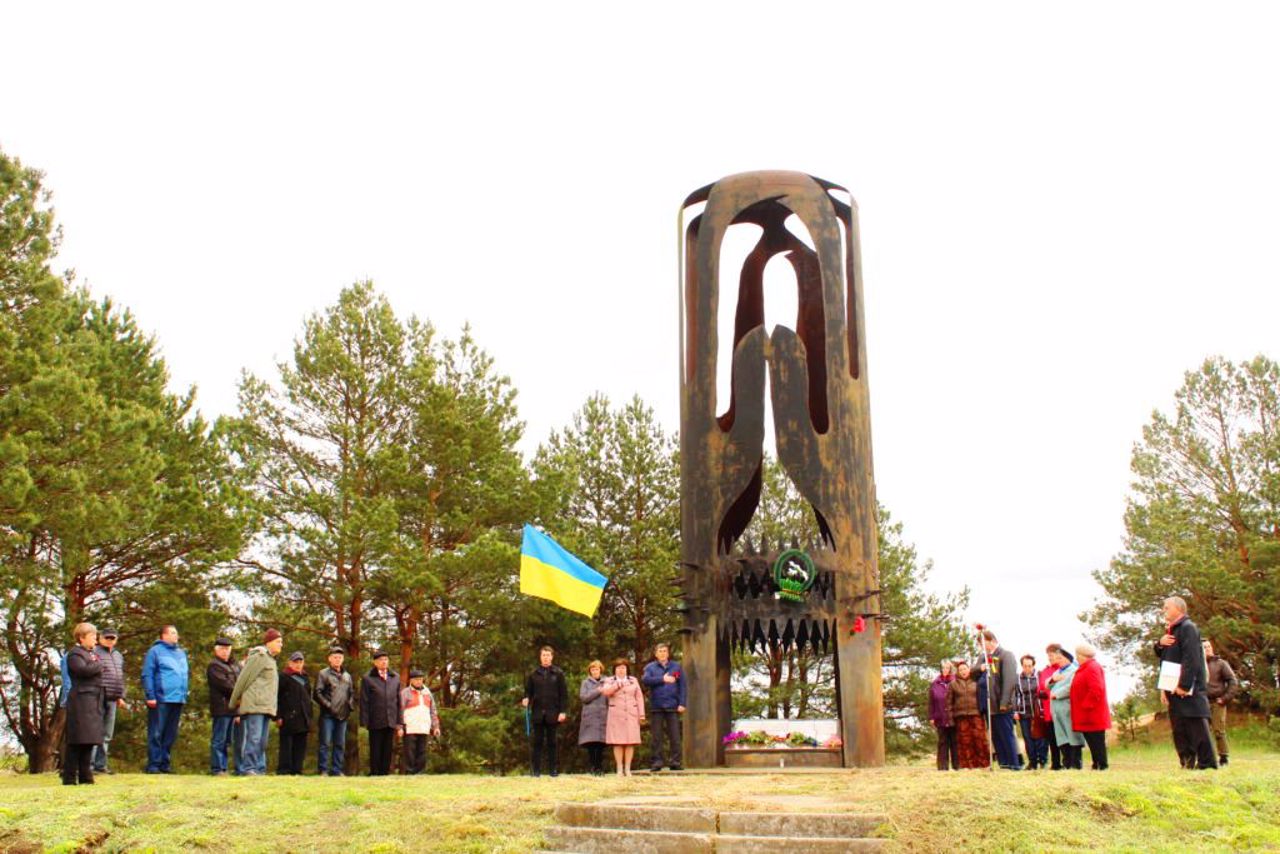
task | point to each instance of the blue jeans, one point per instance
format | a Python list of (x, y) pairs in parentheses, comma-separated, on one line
[(219, 743), (108, 732), (1005, 744), (237, 744), (257, 732), (1037, 748), (333, 732), (162, 732)]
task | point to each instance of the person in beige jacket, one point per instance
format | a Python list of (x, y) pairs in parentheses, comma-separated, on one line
[(254, 699)]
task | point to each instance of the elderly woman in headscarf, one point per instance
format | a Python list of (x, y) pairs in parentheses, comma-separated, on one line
[(941, 719), (1090, 713), (1070, 742)]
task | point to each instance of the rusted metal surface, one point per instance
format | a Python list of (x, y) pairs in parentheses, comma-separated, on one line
[(820, 404)]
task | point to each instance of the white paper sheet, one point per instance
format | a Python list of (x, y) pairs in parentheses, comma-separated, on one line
[(1170, 673)]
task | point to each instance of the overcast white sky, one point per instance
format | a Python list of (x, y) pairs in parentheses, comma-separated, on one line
[(1063, 208)]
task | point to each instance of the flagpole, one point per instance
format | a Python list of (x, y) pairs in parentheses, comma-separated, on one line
[(979, 627)]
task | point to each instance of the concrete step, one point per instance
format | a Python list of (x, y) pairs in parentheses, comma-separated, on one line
[(632, 817), (819, 824), (705, 820), (727, 843), (602, 840)]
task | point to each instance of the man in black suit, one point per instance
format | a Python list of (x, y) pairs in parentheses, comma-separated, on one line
[(1189, 701), (547, 697)]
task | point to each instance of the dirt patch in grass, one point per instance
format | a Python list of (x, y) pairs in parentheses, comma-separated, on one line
[(16, 842)]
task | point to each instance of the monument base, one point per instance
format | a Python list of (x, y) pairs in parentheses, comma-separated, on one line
[(772, 757)]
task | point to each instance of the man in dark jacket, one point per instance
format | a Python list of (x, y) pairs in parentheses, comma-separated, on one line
[(546, 696), (337, 698), (668, 695), (1002, 683), (380, 713), (293, 715), (1189, 701), (221, 673), (113, 684), (1223, 685)]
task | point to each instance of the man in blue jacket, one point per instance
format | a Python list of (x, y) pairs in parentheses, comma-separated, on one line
[(668, 695), (164, 685)]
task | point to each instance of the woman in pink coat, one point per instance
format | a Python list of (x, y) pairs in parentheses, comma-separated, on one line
[(626, 713)]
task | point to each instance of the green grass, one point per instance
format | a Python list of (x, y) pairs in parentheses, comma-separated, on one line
[(1145, 803)]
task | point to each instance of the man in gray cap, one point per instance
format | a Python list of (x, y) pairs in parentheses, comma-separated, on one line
[(380, 712), (336, 695), (221, 673), (113, 682)]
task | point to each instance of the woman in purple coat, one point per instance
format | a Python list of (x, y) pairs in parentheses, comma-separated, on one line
[(948, 751)]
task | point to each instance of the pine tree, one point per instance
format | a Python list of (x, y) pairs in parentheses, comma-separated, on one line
[(1203, 522), (112, 487)]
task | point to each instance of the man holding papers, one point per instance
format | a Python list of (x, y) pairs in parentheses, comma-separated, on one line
[(1188, 701)]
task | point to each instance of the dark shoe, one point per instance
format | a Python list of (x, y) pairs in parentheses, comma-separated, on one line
[(1222, 760), (555, 773), (655, 769), (675, 768)]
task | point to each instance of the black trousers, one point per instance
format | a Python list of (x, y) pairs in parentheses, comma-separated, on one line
[(1072, 756), (595, 756), (665, 724), (1097, 742), (948, 748), (1197, 741), (380, 743), (414, 752), (293, 749), (1055, 752), (77, 763), (544, 746)]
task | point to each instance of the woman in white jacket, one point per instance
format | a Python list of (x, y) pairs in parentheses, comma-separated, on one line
[(420, 720)]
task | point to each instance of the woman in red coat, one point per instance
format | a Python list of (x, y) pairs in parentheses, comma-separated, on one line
[(1090, 713), (1046, 711)]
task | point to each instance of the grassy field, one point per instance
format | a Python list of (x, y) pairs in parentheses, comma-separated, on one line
[(1143, 804)]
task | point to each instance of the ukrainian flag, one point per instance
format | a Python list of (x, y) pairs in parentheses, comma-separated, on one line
[(550, 572)]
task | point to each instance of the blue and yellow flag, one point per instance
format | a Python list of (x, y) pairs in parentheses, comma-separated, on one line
[(550, 572)]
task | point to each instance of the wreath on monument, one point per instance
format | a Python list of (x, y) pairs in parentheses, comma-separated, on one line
[(793, 574)]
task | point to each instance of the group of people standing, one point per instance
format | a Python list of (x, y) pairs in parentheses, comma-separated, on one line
[(613, 709), (1063, 708), (245, 699), (1059, 709)]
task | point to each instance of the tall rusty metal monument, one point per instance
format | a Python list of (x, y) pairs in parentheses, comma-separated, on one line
[(828, 597)]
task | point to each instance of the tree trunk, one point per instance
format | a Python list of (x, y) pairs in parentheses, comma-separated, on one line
[(44, 748)]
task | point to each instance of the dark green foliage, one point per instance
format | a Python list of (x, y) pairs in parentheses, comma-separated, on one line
[(1203, 522), (117, 501)]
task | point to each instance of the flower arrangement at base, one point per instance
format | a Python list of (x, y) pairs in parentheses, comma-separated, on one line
[(759, 739)]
